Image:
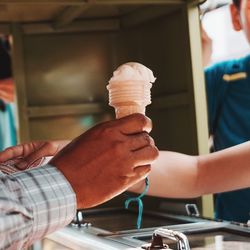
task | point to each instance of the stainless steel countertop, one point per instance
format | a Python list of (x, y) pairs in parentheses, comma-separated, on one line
[(77, 239), (110, 232)]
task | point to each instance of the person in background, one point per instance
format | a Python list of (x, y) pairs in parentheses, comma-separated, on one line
[(7, 117), (228, 97), (93, 168)]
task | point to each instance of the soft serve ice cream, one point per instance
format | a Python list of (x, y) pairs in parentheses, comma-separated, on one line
[(129, 89)]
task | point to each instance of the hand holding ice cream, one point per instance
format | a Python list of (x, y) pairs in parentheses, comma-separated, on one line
[(129, 92)]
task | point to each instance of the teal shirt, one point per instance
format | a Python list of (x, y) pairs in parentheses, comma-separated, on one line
[(232, 127), (7, 127)]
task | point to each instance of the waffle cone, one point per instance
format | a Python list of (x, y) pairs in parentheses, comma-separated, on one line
[(125, 109)]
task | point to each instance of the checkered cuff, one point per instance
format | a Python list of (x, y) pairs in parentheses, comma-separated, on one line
[(50, 198)]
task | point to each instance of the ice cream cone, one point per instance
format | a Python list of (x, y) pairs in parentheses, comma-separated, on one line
[(125, 109), (129, 89)]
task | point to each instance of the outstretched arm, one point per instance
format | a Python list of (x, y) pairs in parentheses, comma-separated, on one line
[(172, 175), (225, 170), (177, 175)]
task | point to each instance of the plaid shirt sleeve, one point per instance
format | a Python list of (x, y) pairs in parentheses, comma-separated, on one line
[(33, 203)]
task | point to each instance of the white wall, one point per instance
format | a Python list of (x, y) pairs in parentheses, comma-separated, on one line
[(227, 43)]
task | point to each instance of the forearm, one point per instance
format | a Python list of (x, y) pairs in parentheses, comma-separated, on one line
[(177, 175), (225, 170), (32, 204), (173, 175)]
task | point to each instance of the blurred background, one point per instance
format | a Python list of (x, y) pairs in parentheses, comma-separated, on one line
[(227, 43)]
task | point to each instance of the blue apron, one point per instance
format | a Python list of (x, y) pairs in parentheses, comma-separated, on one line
[(231, 99)]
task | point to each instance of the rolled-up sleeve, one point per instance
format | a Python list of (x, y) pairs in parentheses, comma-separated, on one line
[(33, 203)]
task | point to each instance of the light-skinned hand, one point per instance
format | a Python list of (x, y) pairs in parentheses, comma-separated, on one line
[(31, 154)]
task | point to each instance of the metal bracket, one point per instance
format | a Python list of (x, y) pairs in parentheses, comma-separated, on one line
[(192, 210), (157, 242)]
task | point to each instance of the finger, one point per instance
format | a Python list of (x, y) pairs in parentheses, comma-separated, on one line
[(35, 158), (22, 151), (24, 164), (139, 141), (11, 153), (142, 170), (145, 155), (140, 173), (18, 151), (134, 124)]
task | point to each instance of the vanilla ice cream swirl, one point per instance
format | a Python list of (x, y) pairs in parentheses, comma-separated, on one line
[(133, 71)]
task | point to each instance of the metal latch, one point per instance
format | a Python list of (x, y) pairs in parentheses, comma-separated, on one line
[(157, 242), (79, 221), (192, 210)]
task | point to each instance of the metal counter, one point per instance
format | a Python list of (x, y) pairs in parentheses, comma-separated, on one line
[(111, 229)]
